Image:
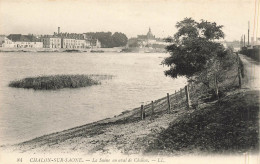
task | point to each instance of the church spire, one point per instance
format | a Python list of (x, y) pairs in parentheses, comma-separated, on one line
[(150, 34)]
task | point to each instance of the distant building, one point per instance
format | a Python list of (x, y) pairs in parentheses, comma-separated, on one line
[(8, 43), (74, 43), (57, 40), (148, 40), (150, 35), (21, 41), (2, 40), (67, 43), (51, 41), (95, 43), (73, 40), (80, 43), (77, 41)]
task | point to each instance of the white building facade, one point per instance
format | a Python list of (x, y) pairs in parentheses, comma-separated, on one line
[(69, 43), (51, 42), (8, 43)]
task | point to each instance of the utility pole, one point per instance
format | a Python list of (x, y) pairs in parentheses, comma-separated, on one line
[(248, 32), (244, 40), (241, 41)]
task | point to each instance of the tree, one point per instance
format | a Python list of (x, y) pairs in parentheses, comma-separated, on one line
[(108, 40), (133, 42), (194, 52), (119, 39)]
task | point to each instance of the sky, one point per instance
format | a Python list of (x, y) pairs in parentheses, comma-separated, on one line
[(132, 17)]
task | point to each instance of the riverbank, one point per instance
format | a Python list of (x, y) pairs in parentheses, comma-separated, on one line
[(88, 50), (234, 118), (144, 50), (46, 50)]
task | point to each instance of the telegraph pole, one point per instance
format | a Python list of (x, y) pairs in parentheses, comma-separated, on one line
[(248, 32), (244, 40)]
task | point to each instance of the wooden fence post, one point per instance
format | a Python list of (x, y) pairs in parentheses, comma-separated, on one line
[(187, 96), (152, 108), (169, 105), (142, 112)]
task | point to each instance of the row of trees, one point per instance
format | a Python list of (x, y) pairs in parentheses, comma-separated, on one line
[(194, 52), (109, 40)]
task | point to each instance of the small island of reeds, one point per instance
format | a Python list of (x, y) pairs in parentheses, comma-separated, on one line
[(54, 82)]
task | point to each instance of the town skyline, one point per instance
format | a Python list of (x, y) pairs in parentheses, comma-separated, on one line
[(130, 17)]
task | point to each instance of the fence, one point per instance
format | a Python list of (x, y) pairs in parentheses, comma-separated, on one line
[(186, 93), (177, 96)]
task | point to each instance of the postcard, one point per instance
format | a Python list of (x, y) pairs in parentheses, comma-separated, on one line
[(129, 81)]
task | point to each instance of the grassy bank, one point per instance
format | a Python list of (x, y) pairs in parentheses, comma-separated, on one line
[(57, 82), (228, 126)]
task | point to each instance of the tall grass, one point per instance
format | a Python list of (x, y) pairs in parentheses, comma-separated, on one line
[(58, 81)]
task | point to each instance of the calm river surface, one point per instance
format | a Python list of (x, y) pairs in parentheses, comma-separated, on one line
[(26, 114)]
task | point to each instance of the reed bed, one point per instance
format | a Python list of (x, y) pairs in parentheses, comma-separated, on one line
[(54, 82)]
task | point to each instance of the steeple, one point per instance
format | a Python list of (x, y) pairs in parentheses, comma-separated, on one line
[(150, 34)]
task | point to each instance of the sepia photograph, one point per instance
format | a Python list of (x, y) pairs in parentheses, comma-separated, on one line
[(129, 81)]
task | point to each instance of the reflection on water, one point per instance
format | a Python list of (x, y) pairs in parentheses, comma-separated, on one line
[(25, 114)]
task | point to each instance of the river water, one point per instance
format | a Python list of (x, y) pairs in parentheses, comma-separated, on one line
[(25, 114)]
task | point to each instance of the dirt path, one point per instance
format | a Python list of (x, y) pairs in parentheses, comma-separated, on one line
[(252, 74), (252, 71)]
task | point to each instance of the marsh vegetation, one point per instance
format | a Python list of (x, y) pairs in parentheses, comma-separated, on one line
[(54, 82)]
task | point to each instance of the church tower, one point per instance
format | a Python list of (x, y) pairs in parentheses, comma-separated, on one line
[(150, 35)]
